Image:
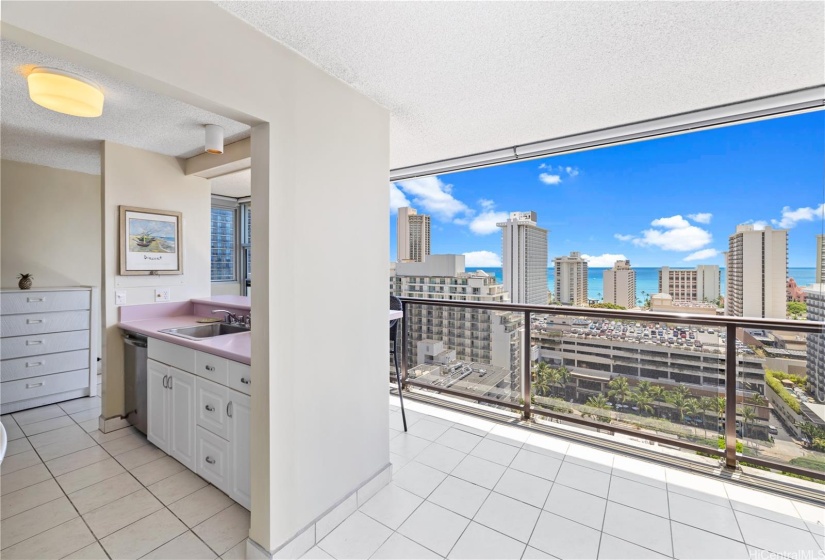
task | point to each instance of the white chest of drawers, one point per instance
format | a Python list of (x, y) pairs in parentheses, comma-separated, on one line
[(48, 346)]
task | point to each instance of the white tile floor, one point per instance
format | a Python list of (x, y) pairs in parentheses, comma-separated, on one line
[(463, 488), (70, 491)]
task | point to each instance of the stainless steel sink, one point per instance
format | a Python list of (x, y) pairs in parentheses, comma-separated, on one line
[(201, 332)]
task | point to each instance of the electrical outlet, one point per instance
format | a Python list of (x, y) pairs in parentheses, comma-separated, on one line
[(162, 294), (120, 297)]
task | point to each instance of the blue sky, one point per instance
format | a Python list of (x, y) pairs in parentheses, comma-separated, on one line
[(672, 201)]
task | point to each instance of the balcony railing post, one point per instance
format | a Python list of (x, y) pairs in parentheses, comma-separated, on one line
[(526, 366), (404, 320), (730, 396)]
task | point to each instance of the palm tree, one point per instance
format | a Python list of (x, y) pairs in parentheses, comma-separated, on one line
[(619, 390), (541, 381), (599, 402), (561, 376), (680, 399), (657, 393), (705, 404), (643, 401), (748, 416)]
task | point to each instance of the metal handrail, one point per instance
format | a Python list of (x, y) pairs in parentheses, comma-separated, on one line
[(730, 324)]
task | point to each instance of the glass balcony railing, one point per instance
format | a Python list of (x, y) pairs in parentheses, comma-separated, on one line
[(651, 380)]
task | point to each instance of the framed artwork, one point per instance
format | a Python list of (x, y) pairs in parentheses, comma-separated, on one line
[(150, 241)]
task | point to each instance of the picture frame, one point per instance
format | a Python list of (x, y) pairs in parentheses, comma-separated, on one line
[(151, 241)]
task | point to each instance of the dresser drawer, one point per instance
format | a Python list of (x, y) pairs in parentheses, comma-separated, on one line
[(213, 368), (35, 345), (213, 458), (23, 389), (240, 377), (38, 302), (211, 407), (173, 355), (41, 323), (47, 364)]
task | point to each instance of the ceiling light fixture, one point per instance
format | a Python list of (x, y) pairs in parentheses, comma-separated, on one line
[(65, 92), (214, 139)]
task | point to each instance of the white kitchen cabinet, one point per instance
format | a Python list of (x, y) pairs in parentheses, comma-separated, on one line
[(158, 421), (198, 417), (240, 409), (170, 393)]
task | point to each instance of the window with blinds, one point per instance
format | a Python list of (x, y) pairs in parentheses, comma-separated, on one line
[(223, 245)]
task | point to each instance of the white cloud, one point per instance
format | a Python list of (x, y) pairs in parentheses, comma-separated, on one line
[(792, 217), (550, 179), (675, 234), (672, 222), (605, 260), (397, 199), (701, 255), (553, 175), (485, 223), (482, 259), (486, 203), (433, 196), (621, 237), (701, 217)]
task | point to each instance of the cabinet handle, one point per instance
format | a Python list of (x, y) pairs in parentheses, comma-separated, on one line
[(170, 382), (164, 381), (210, 408), (245, 381), (33, 321), (35, 299), (210, 368), (229, 409), (210, 460), (34, 385), (34, 364), (33, 342)]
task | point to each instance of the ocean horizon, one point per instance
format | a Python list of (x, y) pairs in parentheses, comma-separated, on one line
[(647, 278)]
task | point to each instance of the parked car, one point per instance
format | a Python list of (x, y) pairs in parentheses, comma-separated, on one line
[(773, 430)]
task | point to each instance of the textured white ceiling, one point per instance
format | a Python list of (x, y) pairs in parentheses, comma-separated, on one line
[(466, 77), (131, 116), (236, 185)]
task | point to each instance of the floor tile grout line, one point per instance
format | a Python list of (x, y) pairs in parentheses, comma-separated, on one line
[(604, 516)]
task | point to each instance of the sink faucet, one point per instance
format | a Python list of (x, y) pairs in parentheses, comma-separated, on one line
[(230, 318)]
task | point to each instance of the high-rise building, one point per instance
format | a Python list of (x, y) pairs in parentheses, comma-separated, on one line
[(524, 258), (757, 269), (620, 285), (820, 259), (571, 279), (815, 348), (412, 233), (477, 335), (688, 285)]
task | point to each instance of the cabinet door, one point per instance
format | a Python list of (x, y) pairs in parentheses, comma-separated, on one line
[(182, 413), (157, 397), (239, 424)]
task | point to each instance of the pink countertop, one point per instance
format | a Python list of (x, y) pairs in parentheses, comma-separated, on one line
[(235, 347)]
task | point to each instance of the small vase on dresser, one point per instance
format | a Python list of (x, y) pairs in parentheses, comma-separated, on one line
[(48, 346)]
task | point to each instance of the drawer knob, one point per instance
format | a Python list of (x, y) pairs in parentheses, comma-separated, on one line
[(210, 460), (35, 300), (33, 342), (35, 385), (210, 408), (245, 381), (34, 321), (34, 364), (210, 368)]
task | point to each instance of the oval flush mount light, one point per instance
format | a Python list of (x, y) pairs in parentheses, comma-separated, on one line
[(214, 139), (65, 92)]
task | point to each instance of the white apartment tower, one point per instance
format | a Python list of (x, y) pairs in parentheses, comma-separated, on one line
[(412, 232), (815, 348), (757, 272), (476, 335), (620, 285), (571, 279), (820, 259), (687, 285), (524, 258)]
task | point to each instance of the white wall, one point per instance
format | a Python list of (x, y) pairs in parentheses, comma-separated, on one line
[(49, 226), (133, 177), (319, 157), (226, 288)]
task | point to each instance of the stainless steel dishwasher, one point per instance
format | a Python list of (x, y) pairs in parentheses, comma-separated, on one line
[(135, 355)]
